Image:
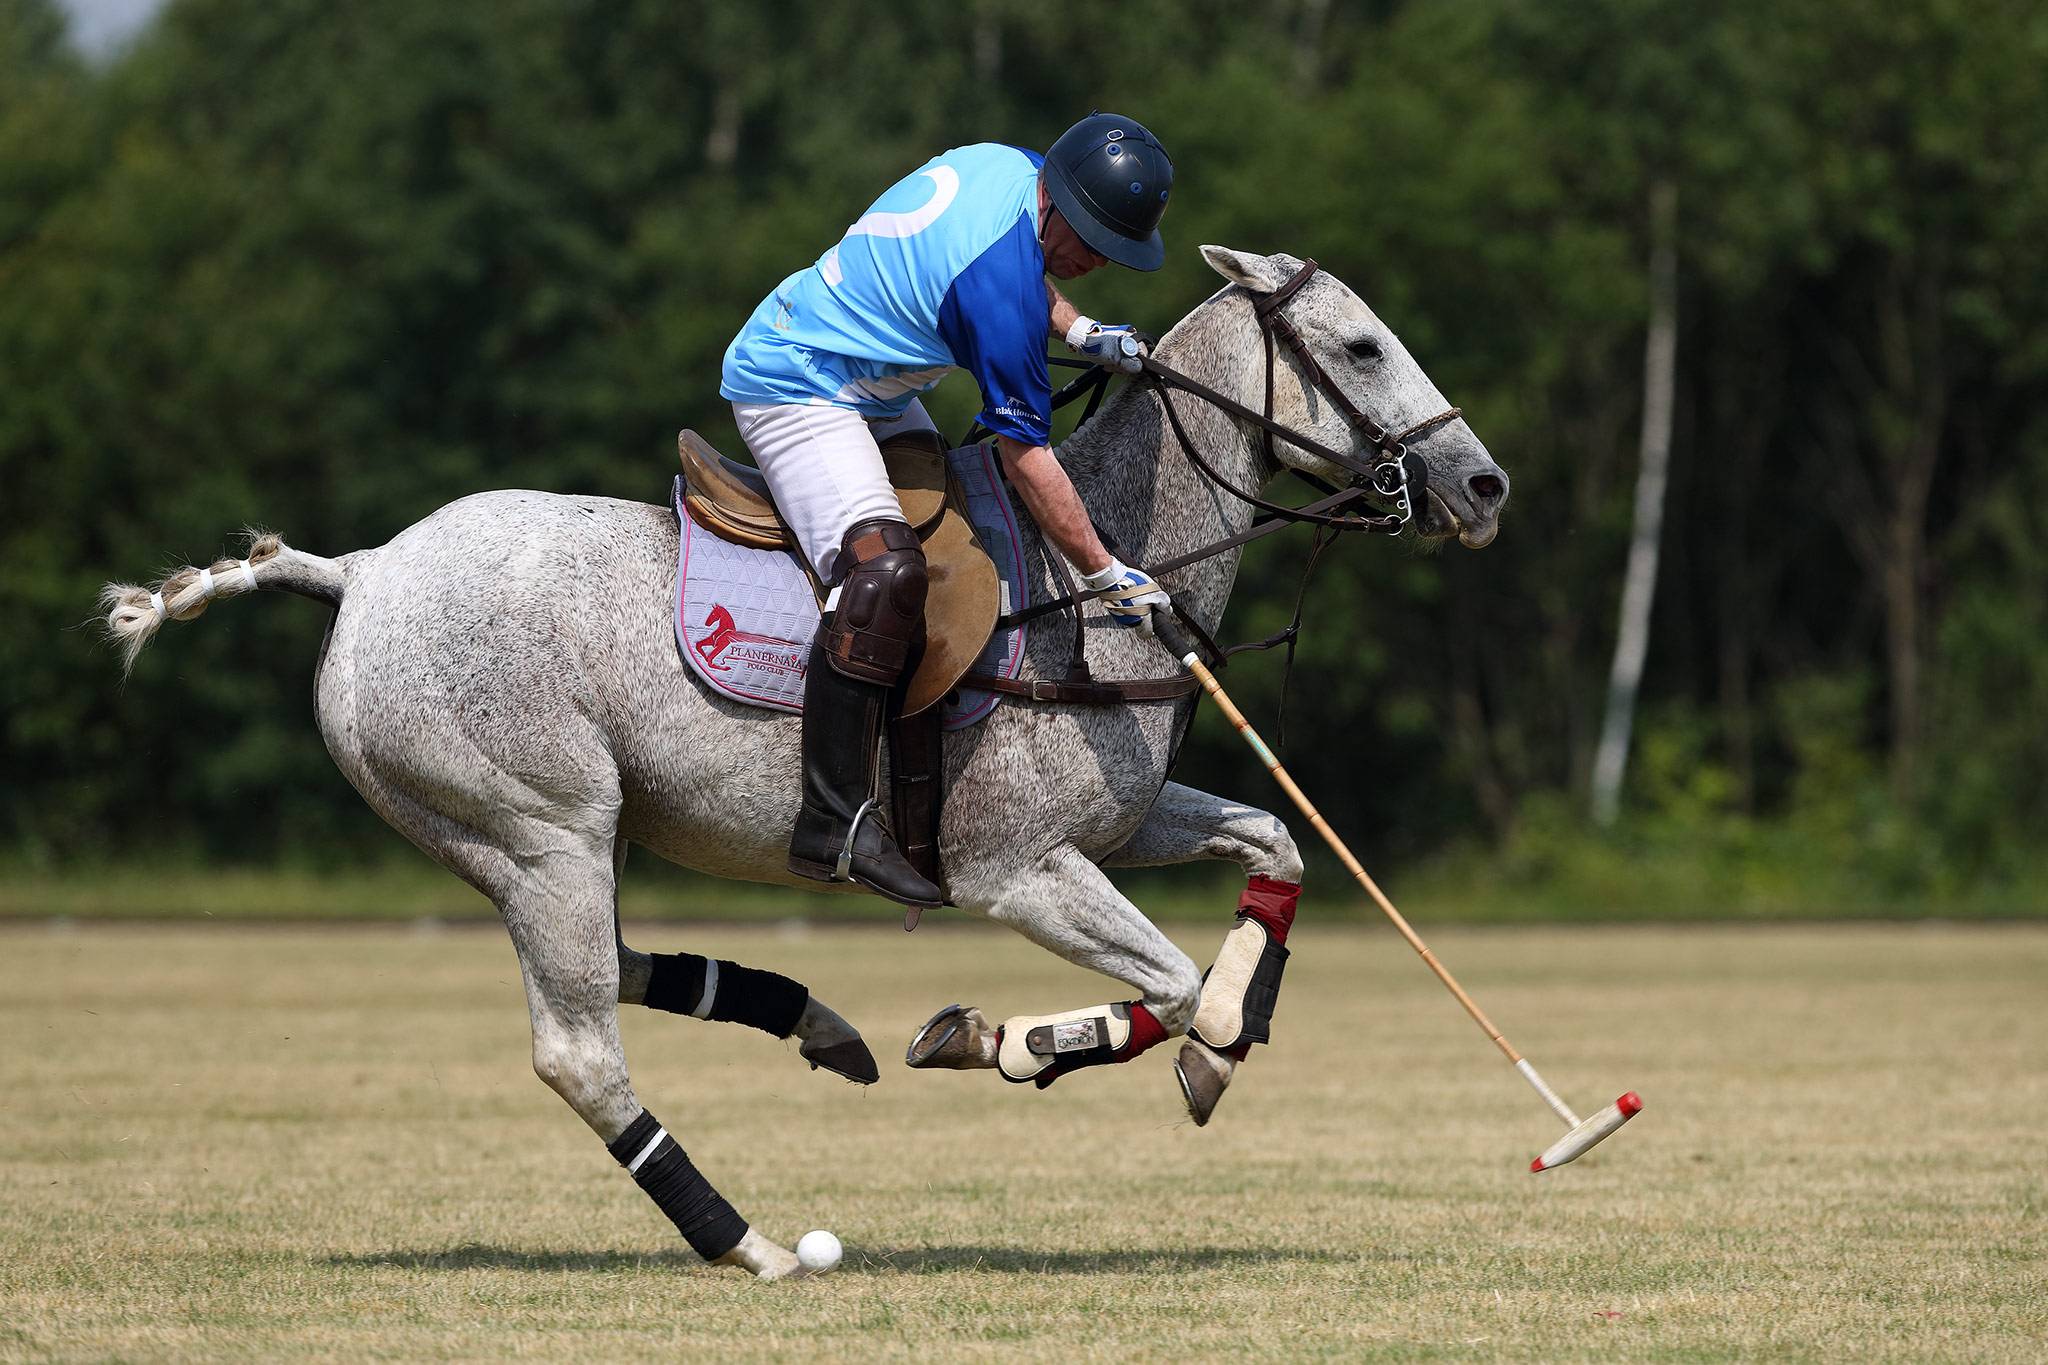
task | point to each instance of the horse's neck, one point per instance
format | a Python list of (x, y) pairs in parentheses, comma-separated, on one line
[(1139, 485)]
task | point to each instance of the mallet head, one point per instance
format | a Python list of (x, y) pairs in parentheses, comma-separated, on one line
[(1583, 1138)]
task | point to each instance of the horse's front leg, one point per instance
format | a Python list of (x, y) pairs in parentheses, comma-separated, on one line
[(1240, 990), (1063, 902)]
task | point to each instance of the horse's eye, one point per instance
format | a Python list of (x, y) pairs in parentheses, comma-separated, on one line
[(1364, 349)]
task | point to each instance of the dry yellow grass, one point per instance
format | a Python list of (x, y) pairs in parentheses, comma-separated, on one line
[(326, 1143)]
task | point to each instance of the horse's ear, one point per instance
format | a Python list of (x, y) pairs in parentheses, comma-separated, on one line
[(1260, 274)]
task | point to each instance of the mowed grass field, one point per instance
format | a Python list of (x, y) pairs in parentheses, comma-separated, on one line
[(327, 1143)]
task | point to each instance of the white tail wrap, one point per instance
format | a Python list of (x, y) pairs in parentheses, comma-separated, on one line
[(206, 588), (1564, 1111), (249, 575), (156, 604)]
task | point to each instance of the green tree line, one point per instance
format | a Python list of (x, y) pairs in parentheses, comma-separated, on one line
[(326, 267)]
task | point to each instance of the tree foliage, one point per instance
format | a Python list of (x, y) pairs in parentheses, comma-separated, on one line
[(327, 267)]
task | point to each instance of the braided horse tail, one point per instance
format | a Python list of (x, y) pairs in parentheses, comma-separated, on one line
[(132, 615)]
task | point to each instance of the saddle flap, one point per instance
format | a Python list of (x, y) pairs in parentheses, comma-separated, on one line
[(960, 609)]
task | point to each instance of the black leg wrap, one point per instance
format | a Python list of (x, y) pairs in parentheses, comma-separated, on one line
[(1263, 994), (679, 983), (659, 1166)]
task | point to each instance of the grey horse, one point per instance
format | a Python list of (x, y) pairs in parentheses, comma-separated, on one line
[(501, 683)]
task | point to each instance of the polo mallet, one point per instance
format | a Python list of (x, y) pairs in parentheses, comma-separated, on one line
[(1584, 1134)]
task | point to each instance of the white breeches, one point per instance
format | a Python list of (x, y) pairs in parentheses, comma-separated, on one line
[(824, 467)]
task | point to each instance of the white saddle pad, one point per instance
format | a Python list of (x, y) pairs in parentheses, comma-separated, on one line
[(745, 617)]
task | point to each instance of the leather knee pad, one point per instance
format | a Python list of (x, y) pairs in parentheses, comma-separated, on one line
[(882, 587)]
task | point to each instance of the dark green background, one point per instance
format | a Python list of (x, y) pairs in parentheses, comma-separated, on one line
[(325, 267)]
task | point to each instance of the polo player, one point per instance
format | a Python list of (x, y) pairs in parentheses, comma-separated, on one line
[(948, 270)]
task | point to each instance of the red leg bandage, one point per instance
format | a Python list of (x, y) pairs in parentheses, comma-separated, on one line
[(1146, 1032), (1271, 903)]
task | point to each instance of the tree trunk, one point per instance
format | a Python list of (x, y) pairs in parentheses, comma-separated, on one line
[(1748, 383), (1471, 736), (1308, 43), (1885, 449), (1902, 647), (722, 142), (1660, 375), (1915, 366), (988, 41)]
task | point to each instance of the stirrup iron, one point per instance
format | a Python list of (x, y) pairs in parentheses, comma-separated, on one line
[(843, 869)]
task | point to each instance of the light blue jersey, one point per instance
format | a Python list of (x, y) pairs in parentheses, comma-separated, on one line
[(944, 272)]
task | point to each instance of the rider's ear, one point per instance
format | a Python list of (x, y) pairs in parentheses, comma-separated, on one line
[(1260, 274)]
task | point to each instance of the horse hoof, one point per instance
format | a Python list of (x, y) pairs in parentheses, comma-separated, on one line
[(849, 1059), (957, 1038), (763, 1259), (1203, 1075)]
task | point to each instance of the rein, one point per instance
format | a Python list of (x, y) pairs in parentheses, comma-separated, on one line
[(1398, 477)]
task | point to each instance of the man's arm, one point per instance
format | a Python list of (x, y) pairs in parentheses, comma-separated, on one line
[(1100, 342), (1055, 506), (1064, 314), (1130, 596)]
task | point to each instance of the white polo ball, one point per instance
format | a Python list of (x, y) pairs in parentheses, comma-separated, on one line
[(818, 1251)]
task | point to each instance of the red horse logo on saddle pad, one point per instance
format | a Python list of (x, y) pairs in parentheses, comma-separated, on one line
[(721, 637)]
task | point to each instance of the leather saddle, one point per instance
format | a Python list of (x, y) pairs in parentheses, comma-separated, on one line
[(731, 501)]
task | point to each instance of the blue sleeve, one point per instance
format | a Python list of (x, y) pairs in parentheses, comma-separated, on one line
[(994, 321)]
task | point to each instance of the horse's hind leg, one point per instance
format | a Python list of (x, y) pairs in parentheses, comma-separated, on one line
[(1240, 991), (1064, 903), (560, 910), (557, 895)]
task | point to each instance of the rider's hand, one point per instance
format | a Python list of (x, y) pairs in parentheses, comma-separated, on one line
[(1112, 345), (1129, 595)]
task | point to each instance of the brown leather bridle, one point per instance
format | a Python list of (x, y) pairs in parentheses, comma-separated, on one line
[(1395, 476), (1398, 477)]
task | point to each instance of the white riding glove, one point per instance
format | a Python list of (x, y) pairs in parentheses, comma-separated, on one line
[(1113, 345), (1131, 597)]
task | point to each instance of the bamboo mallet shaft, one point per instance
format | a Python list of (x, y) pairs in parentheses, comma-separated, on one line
[(1170, 635)]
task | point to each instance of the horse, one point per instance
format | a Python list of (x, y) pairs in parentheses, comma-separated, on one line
[(501, 683)]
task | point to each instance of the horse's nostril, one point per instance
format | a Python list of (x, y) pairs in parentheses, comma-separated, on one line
[(1487, 487)]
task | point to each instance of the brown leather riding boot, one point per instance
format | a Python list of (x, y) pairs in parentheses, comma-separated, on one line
[(842, 833)]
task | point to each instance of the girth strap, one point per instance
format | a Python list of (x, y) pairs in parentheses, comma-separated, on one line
[(1091, 693)]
